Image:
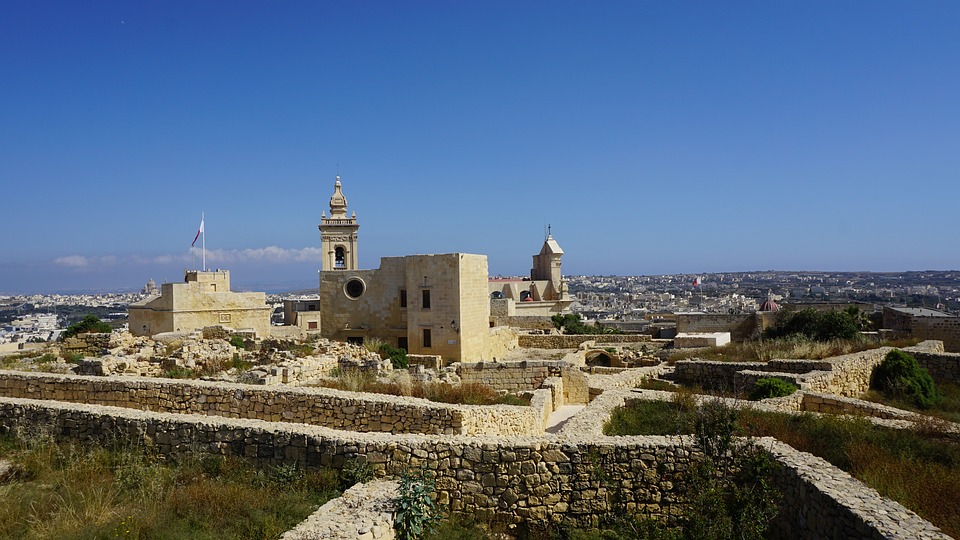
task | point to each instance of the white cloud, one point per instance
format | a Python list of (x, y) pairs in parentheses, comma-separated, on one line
[(73, 261)]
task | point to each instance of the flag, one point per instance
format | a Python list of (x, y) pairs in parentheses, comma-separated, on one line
[(696, 280), (198, 233)]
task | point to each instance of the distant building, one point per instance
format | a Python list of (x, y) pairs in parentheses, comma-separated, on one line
[(922, 323), (203, 299)]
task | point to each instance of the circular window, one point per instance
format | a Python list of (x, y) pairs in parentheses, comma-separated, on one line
[(354, 288)]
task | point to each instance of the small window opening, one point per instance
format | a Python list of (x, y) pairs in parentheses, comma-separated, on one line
[(425, 304), (403, 298), (427, 338), (339, 257)]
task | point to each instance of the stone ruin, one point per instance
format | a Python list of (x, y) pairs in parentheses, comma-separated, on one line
[(488, 460)]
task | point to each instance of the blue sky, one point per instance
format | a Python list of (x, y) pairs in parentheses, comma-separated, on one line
[(655, 137)]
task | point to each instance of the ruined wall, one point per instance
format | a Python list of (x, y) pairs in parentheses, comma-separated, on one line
[(845, 375), (316, 406), (573, 341), (527, 375), (532, 479), (741, 326)]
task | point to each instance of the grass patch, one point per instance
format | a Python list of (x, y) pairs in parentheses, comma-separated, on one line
[(913, 467), (64, 490), (439, 392), (948, 408), (764, 350)]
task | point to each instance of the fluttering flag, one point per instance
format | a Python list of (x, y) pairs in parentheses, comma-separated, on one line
[(199, 232), (696, 280)]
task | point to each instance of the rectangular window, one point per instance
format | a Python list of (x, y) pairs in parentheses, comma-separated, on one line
[(402, 343), (355, 340), (312, 325), (403, 298), (427, 338), (425, 304)]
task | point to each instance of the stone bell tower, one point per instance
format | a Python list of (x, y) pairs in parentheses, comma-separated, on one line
[(338, 234)]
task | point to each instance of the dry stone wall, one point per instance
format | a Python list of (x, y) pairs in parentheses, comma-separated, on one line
[(521, 478), (527, 375), (573, 341), (317, 406)]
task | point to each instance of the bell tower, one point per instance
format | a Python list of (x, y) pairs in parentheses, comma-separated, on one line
[(338, 234)]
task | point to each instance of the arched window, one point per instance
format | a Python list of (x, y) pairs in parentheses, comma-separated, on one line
[(339, 257)]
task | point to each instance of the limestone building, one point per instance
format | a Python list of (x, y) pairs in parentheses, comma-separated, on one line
[(202, 299), (544, 294)]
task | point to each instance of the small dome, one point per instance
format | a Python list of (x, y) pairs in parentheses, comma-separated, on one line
[(769, 305)]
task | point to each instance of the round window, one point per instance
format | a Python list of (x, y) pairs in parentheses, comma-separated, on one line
[(354, 288)]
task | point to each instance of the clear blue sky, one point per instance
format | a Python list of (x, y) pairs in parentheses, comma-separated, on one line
[(655, 137)]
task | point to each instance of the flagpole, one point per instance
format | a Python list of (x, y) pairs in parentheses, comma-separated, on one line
[(203, 242)]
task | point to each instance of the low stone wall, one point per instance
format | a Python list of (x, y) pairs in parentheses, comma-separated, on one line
[(827, 403), (531, 479), (943, 367), (92, 344), (845, 375), (526, 322), (527, 375), (573, 341), (317, 406)]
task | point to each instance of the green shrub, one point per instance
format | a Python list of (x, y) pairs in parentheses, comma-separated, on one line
[(900, 377), (238, 342), (770, 387), (90, 324), (397, 356), (355, 471)]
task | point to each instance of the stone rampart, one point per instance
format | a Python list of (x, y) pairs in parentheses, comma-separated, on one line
[(519, 478), (573, 341), (317, 406)]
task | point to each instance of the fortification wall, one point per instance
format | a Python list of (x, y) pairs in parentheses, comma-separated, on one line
[(741, 326), (945, 329), (533, 479), (573, 341), (316, 406)]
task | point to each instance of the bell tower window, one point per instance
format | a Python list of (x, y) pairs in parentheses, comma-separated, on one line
[(339, 257)]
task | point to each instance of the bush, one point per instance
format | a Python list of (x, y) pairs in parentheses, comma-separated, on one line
[(770, 387), (571, 324), (900, 377), (238, 342), (814, 324), (89, 325), (397, 356)]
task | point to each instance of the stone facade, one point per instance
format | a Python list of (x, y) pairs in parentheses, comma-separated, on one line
[(427, 304), (203, 299), (924, 324)]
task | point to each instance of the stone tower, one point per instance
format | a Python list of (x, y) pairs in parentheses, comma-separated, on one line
[(338, 234), (546, 267)]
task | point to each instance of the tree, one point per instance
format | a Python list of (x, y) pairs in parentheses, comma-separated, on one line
[(89, 325)]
